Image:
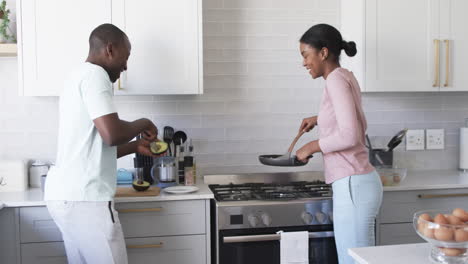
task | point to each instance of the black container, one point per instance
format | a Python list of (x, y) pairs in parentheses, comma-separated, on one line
[(386, 158)]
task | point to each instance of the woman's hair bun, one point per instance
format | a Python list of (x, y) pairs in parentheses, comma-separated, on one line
[(349, 48)]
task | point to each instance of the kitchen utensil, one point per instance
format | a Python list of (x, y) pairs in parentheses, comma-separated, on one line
[(284, 160), (373, 154), (164, 170), (179, 137), (181, 189), (396, 140), (168, 136), (379, 157)]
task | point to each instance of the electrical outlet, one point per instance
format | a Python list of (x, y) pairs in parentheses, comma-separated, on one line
[(415, 139), (435, 138)]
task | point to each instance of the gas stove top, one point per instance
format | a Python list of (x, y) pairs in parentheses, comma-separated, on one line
[(271, 191)]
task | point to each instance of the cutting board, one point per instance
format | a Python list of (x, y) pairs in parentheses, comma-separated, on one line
[(130, 192)]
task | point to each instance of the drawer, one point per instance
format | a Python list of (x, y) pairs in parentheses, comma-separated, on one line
[(167, 250), (43, 253), (143, 219), (36, 225), (400, 206), (393, 234), (149, 219)]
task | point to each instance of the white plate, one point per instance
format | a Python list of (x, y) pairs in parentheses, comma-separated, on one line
[(181, 189)]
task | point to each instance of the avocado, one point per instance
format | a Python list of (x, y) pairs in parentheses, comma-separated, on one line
[(158, 147), (140, 185)]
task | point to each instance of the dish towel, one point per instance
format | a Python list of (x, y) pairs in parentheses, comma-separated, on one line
[(294, 247)]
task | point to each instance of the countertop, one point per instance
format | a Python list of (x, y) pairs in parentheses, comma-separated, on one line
[(430, 180), (34, 197), (415, 180), (407, 253)]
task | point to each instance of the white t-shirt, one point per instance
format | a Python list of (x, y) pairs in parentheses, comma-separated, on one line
[(86, 167)]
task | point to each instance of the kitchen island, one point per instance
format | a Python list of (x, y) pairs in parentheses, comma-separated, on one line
[(407, 253)]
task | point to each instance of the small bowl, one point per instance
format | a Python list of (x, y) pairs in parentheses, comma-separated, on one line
[(392, 176), (444, 248)]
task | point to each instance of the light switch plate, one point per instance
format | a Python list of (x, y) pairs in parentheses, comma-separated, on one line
[(435, 138), (415, 139)]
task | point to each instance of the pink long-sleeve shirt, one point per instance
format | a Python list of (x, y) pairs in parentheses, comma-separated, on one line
[(342, 126)]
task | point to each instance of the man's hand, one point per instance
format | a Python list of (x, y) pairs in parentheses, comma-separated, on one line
[(150, 133), (143, 148), (308, 123)]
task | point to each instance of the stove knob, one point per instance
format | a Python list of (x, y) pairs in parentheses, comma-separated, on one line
[(253, 220), (321, 217), (266, 219), (307, 218)]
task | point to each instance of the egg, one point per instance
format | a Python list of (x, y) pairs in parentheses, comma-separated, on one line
[(384, 180), (461, 235), (425, 217), (460, 213), (452, 252), (453, 220), (428, 232), (396, 179), (440, 219), (443, 234)]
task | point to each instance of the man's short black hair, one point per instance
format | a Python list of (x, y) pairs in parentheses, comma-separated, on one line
[(105, 34)]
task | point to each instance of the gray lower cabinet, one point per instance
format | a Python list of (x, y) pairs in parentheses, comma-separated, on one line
[(395, 220), (43, 253), (167, 250), (9, 236), (170, 232)]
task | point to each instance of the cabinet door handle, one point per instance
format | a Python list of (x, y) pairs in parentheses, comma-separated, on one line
[(436, 63), (140, 210), (449, 195), (160, 245), (447, 62)]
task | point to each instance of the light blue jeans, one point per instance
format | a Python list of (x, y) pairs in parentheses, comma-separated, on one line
[(356, 203)]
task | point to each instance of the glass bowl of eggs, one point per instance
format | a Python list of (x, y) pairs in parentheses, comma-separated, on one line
[(447, 232)]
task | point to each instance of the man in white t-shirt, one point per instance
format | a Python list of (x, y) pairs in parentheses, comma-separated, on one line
[(80, 188)]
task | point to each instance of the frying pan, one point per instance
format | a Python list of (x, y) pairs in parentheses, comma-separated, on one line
[(285, 160)]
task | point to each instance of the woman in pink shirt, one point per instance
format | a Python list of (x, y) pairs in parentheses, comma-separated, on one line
[(357, 190)]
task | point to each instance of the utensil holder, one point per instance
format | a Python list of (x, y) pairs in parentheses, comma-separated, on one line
[(386, 158)]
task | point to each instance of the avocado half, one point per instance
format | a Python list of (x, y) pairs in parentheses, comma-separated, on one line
[(158, 147), (140, 186)]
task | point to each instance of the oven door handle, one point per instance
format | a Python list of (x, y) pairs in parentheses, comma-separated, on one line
[(256, 238)]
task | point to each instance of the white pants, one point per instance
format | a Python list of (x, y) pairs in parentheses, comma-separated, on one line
[(356, 203), (91, 231)]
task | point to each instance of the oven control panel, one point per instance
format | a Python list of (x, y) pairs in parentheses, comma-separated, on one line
[(316, 212)]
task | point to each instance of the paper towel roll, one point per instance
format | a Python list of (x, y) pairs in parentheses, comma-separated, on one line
[(464, 148)]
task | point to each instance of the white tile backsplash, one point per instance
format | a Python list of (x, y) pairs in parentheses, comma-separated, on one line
[(255, 96)]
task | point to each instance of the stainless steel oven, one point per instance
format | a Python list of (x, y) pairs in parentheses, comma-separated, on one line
[(249, 210), (262, 245)]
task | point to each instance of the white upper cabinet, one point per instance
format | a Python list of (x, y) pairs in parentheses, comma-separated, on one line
[(166, 38), (407, 46), (53, 39), (454, 43)]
